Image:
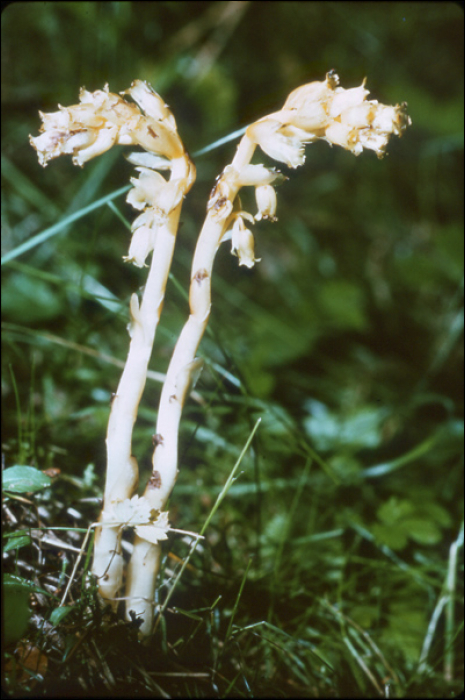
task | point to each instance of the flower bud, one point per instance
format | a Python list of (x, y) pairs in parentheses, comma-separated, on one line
[(145, 189), (344, 135), (106, 138), (265, 196), (103, 119), (149, 160), (243, 244), (142, 243), (367, 125), (256, 175), (220, 204), (308, 95)]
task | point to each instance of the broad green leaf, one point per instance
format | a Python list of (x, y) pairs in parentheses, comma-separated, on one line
[(403, 519), (422, 530), (394, 510), (330, 431), (19, 479)]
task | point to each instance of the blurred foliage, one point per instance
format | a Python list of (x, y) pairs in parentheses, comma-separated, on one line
[(346, 339)]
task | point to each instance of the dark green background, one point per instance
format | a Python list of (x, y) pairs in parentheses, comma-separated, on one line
[(346, 336)]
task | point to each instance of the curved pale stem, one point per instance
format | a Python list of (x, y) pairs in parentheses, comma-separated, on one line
[(122, 470), (145, 560)]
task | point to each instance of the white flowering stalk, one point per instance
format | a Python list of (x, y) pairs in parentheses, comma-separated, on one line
[(317, 111), (101, 120)]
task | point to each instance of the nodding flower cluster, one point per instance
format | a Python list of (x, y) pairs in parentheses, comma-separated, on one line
[(321, 110), (317, 111), (104, 119)]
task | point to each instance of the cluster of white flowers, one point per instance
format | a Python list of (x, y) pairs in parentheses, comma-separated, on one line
[(323, 110), (317, 111), (103, 119)]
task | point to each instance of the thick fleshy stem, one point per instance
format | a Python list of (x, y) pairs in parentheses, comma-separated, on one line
[(86, 130), (122, 470)]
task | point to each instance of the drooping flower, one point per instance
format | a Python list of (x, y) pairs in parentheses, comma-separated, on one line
[(243, 244), (281, 142), (255, 175), (346, 99), (308, 105), (142, 243), (265, 196), (151, 189)]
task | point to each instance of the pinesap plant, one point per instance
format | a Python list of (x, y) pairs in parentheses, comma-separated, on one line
[(321, 110)]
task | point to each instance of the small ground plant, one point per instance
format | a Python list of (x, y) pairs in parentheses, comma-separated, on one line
[(118, 590)]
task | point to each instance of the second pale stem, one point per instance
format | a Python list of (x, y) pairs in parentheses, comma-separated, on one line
[(145, 560)]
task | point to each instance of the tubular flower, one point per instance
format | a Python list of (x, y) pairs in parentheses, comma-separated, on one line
[(280, 141), (142, 243), (153, 105), (254, 175), (243, 244), (265, 196), (151, 189)]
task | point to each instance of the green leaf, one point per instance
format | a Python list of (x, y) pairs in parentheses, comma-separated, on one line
[(360, 429), (16, 540), (402, 519), (393, 537), (422, 530), (394, 509), (16, 612), (19, 479), (13, 582), (59, 614)]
